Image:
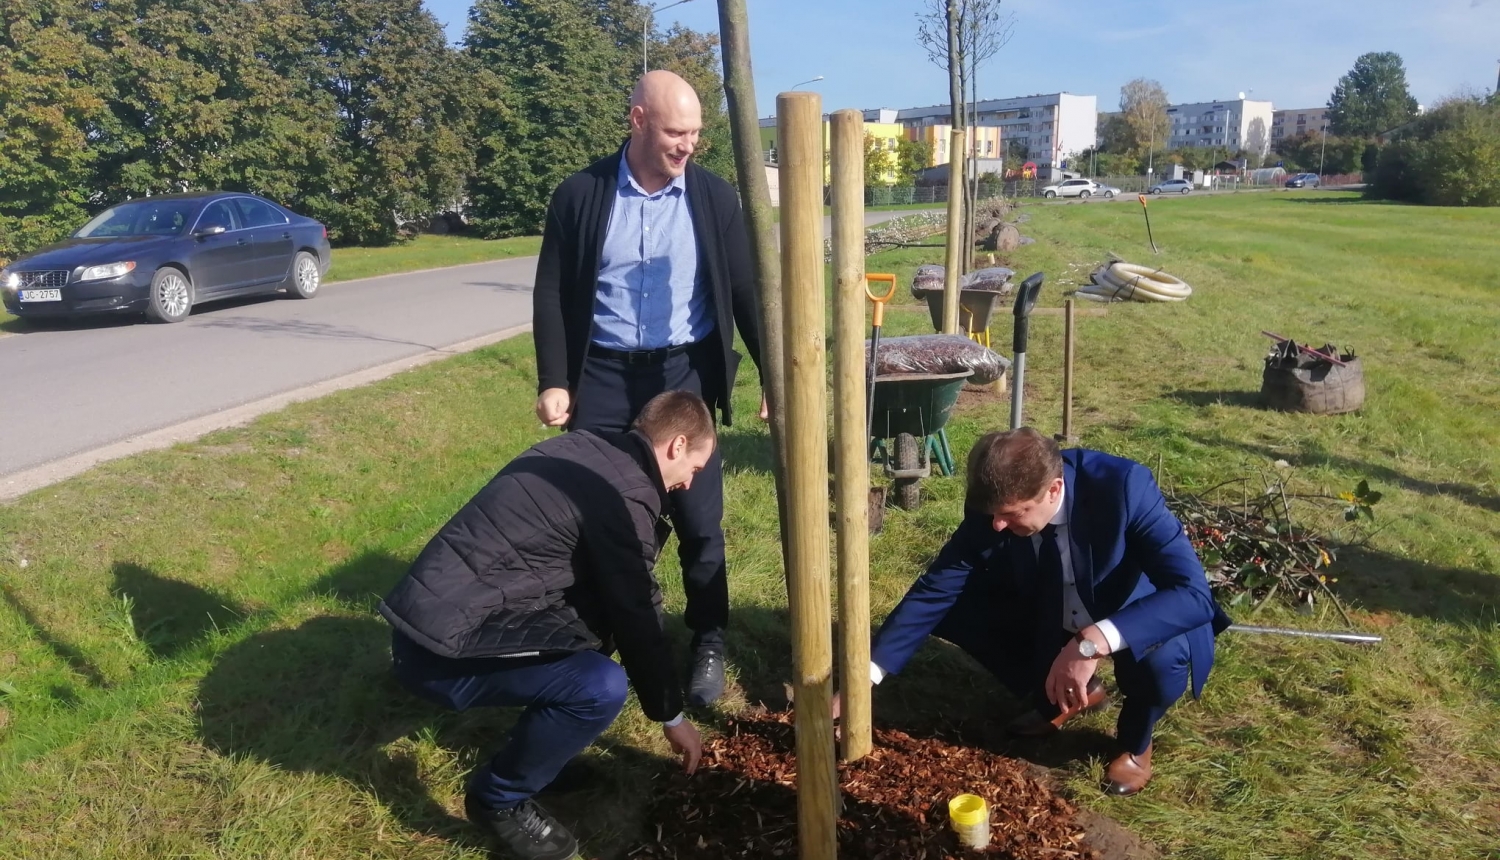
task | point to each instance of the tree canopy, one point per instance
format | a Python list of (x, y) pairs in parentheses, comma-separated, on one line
[(1372, 98), (355, 112)]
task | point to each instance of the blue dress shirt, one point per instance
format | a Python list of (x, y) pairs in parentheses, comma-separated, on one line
[(649, 295)]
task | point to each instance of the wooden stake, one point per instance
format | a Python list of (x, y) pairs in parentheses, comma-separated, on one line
[(851, 463), (1067, 416), (739, 91), (800, 129)]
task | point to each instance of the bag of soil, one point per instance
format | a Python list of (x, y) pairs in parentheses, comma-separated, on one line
[(938, 353), (994, 279), (928, 279)]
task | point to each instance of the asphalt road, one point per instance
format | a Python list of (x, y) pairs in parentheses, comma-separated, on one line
[(79, 393)]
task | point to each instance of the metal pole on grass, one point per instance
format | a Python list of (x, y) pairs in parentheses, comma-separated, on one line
[(799, 116), (851, 460)]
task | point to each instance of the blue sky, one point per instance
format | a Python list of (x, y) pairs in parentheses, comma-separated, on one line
[(1291, 52)]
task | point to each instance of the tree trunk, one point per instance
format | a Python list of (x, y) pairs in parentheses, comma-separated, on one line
[(956, 148), (765, 254)]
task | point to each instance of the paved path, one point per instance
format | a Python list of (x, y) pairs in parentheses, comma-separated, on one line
[(73, 389), (79, 394)]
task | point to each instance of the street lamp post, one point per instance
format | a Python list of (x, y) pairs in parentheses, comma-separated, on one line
[(646, 29), (1322, 150), (808, 81)]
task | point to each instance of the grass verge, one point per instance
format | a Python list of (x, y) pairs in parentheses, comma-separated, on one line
[(190, 664)]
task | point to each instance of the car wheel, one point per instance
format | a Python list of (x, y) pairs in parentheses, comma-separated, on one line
[(1085, 194), (305, 276), (1186, 190), (1049, 194), (1109, 195), (171, 296)]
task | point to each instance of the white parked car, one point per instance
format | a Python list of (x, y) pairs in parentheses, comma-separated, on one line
[(1078, 188)]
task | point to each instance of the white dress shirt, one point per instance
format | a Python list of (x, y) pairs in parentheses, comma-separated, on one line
[(1075, 617)]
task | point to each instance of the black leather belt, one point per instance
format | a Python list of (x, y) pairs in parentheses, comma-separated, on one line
[(640, 356)]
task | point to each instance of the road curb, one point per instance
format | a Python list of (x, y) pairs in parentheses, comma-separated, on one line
[(20, 483)]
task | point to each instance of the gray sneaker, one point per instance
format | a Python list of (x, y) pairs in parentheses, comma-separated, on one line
[(525, 832)]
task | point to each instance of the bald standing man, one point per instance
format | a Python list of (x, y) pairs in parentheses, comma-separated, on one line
[(644, 276)]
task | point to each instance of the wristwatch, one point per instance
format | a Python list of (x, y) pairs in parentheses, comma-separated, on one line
[(1086, 647)]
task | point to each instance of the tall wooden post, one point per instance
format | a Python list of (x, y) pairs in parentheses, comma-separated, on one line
[(958, 243), (799, 124), (755, 196), (1067, 416), (851, 463)]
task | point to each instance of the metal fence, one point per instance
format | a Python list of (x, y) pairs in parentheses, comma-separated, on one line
[(902, 195)]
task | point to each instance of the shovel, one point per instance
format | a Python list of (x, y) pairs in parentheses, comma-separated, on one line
[(1025, 301), (1147, 213), (878, 300)]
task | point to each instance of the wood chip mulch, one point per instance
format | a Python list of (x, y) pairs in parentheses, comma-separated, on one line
[(742, 802)]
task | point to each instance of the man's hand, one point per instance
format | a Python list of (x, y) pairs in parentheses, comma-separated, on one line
[(1068, 681), (685, 742), (765, 410), (554, 406)]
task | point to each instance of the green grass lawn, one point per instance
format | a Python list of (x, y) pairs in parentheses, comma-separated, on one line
[(190, 664), (424, 252)]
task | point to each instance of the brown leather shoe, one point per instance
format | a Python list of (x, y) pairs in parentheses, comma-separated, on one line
[(1033, 725), (1128, 773)]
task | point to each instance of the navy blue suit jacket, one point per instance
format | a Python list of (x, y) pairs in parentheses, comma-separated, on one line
[(1132, 564)]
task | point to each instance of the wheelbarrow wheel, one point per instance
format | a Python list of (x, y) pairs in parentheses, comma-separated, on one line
[(908, 456)]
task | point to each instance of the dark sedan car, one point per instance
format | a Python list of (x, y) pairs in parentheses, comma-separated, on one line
[(1303, 180), (163, 255)]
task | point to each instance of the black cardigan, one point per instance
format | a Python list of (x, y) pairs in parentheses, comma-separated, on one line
[(568, 270)]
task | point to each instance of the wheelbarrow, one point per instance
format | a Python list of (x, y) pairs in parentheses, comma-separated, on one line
[(912, 409), (975, 310)]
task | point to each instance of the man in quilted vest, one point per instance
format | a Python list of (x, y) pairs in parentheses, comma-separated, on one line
[(521, 597)]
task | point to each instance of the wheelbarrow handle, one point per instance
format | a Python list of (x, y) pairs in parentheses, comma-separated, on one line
[(880, 298)]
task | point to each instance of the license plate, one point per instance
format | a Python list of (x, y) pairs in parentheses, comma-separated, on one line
[(41, 295)]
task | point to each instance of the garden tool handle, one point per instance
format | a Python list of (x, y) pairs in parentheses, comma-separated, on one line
[(880, 298)]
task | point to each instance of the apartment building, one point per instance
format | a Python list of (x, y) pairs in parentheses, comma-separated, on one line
[(880, 125), (1048, 126), (1234, 124), (1294, 121)]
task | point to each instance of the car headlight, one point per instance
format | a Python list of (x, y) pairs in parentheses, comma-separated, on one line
[(110, 270), (10, 280)]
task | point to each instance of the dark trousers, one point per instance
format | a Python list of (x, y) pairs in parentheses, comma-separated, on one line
[(569, 701), (610, 394), (1150, 683)]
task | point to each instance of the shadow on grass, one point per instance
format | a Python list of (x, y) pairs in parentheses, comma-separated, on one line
[(169, 615), (1379, 581), (1246, 399), (320, 698), (1467, 493), (65, 652), (746, 450)]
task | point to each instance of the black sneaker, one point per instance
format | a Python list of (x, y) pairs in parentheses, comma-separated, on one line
[(526, 832), (706, 681)]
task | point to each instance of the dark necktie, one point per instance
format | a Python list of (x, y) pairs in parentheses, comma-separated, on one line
[(1050, 570), (1049, 557)]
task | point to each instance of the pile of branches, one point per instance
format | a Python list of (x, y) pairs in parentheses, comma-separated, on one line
[(1252, 550), (906, 232)]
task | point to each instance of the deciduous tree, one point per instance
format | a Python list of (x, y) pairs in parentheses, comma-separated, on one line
[(1372, 97)]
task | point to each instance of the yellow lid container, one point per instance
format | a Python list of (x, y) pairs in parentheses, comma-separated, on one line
[(968, 810)]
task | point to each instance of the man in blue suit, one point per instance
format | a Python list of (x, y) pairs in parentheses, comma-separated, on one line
[(1061, 559)]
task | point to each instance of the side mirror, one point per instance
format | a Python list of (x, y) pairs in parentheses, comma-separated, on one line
[(205, 232)]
